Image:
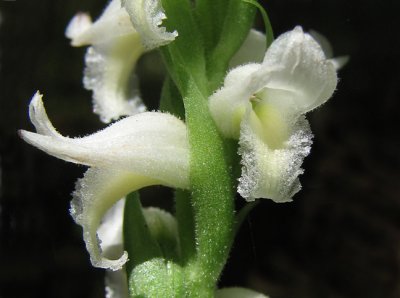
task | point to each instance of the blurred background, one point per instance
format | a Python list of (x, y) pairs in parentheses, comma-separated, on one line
[(340, 238)]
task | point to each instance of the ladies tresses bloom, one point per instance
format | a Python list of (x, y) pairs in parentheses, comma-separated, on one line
[(263, 105), (118, 38), (138, 151)]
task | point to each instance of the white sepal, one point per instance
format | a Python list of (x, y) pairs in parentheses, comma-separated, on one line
[(296, 65), (252, 50), (152, 144), (147, 17), (114, 22)]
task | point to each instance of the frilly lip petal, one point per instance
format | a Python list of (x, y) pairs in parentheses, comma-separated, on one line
[(109, 73), (147, 17), (272, 173), (94, 194), (135, 152)]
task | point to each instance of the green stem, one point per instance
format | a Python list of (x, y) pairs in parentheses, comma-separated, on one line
[(212, 192)]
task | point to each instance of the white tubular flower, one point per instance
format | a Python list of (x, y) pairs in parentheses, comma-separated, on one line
[(137, 151), (110, 60), (263, 105), (118, 38), (147, 17), (236, 292)]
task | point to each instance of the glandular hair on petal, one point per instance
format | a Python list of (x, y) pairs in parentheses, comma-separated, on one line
[(272, 173)]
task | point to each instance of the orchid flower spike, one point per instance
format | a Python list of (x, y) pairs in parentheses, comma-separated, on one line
[(118, 39), (141, 150), (263, 106)]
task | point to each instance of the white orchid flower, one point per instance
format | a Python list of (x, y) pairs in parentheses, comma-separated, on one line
[(162, 226), (117, 40), (138, 151), (263, 105)]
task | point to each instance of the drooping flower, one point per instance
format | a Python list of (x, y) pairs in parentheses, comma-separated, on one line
[(263, 105), (118, 38), (145, 149)]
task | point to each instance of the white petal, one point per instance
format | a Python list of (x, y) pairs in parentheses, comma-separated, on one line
[(147, 17), (109, 73), (252, 50), (228, 105), (272, 173), (296, 64), (94, 194), (236, 292), (151, 144), (113, 23), (110, 230)]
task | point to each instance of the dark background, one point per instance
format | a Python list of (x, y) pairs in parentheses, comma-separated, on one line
[(339, 238)]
